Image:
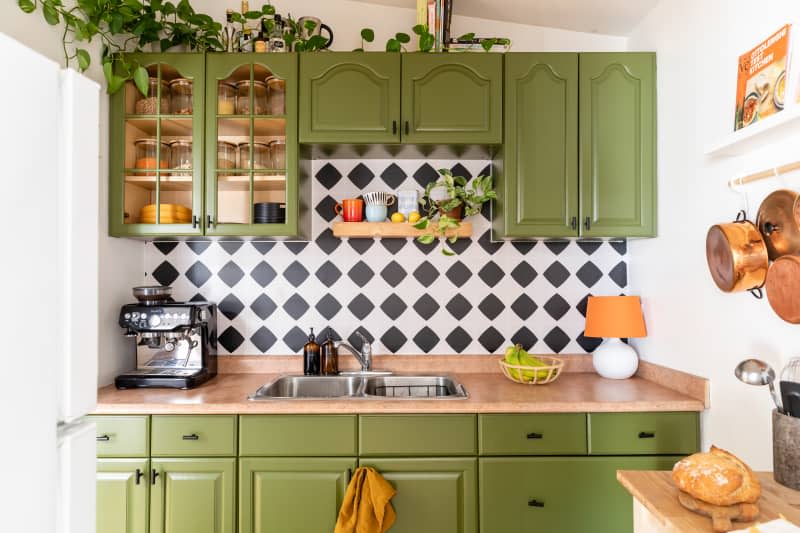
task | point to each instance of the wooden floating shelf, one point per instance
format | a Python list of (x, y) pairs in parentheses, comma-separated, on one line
[(388, 230)]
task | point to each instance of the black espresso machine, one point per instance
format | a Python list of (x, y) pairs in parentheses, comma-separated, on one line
[(176, 342)]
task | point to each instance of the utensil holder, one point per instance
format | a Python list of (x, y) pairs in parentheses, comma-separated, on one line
[(785, 451)]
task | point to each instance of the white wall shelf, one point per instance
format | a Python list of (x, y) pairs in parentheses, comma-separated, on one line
[(774, 128)]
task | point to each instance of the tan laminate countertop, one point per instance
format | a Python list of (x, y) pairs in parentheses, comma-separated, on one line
[(488, 393), (657, 492)]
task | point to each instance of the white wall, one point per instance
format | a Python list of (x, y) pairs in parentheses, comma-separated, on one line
[(691, 324), (121, 260)]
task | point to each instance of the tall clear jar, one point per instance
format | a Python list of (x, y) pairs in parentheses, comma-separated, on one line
[(180, 156), (180, 90), (277, 149), (276, 95), (226, 98), (226, 155), (149, 105), (148, 156), (261, 156), (259, 90)]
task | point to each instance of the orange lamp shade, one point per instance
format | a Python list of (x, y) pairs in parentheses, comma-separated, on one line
[(615, 317)]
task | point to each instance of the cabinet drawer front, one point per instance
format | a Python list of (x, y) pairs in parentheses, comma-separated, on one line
[(122, 436), (298, 435), (534, 434), (643, 433), (188, 436), (410, 435)]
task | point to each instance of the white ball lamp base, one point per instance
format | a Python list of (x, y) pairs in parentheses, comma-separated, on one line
[(615, 360)]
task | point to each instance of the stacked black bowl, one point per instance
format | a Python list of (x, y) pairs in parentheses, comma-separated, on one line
[(269, 213)]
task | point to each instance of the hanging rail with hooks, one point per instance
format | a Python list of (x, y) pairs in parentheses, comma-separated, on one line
[(764, 174)]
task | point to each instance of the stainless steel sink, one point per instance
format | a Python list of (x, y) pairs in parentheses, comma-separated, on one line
[(361, 387)]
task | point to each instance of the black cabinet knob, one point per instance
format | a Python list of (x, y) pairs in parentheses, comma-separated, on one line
[(535, 503), (647, 435), (193, 436), (535, 435)]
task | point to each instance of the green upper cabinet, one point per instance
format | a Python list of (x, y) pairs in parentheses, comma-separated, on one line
[(122, 495), (350, 97), (433, 495), (539, 182), (156, 150), (452, 98), (618, 144), (193, 496), (251, 145), (291, 495)]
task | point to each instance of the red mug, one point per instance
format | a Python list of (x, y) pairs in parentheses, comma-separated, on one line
[(351, 210)]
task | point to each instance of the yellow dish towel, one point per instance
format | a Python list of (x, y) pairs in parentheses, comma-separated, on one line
[(366, 507)]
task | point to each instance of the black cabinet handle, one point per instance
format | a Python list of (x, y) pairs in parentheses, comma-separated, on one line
[(408, 128), (535, 503), (349, 475), (154, 476), (209, 221), (193, 436), (103, 438), (587, 223), (195, 221), (535, 435), (139, 476), (574, 223), (394, 127), (647, 435)]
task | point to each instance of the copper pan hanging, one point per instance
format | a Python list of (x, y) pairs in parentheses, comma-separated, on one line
[(737, 256), (779, 222), (783, 288)]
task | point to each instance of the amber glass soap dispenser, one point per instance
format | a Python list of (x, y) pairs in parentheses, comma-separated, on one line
[(311, 356), (329, 358)]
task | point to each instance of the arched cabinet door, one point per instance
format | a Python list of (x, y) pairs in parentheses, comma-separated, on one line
[(618, 144), (350, 97), (452, 98)]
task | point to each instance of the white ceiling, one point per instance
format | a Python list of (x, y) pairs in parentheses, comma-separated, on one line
[(610, 17)]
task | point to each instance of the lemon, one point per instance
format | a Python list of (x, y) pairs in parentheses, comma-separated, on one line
[(413, 217), (398, 217)]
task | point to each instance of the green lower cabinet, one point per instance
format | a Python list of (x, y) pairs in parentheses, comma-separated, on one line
[(433, 495), (122, 495), (193, 496), (291, 495), (563, 494)]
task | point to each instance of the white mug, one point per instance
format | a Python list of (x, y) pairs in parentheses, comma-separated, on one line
[(407, 201)]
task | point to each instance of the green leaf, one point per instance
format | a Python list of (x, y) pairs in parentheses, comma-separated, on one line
[(425, 239), (488, 43), (368, 34), (426, 42), (403, 37), (393, 45), (310, 25), (142, 79), (252, 15), (358, 49), (115, 84), (50, 13), (453, 239), (84, 59), (447, 252), (422, 223), (108, 70), (268, 9), (26, 5), (420, 29), (467, 36)]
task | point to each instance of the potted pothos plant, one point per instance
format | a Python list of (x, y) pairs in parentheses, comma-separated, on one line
[(446, 202)]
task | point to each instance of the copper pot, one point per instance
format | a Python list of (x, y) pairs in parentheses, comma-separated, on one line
[(779, 222), (737, 256), (783, 288)]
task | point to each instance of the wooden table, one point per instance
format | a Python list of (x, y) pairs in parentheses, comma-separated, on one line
[(656, 508)]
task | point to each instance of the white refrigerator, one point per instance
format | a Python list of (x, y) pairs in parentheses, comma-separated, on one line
[(49, 207)]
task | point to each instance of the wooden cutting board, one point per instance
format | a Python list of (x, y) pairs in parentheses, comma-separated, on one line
[(656, 491)]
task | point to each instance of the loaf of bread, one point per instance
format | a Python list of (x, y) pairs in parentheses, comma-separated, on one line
[(717, 477)]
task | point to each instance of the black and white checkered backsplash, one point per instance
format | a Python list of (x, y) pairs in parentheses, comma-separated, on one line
[(406, 297)]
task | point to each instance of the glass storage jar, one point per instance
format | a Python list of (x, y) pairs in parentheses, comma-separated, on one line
[(180, 93), (277, 149), (226, 98), (226, 155), (243, 90), (148, 156), (149, 105), (276, 95), (261, 158), (180, 156)]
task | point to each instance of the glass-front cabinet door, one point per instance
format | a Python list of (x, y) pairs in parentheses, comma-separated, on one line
[(251, 145), (156, 150)]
